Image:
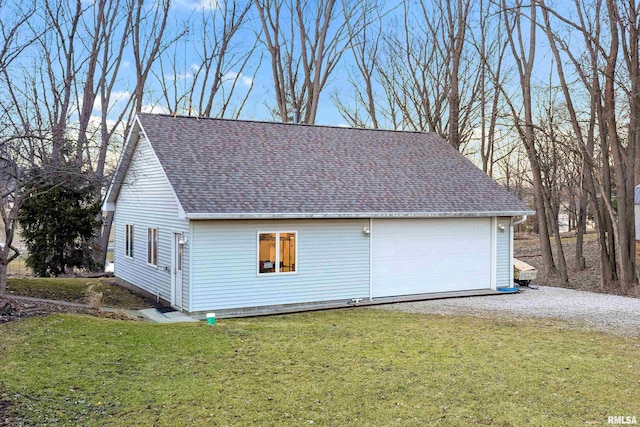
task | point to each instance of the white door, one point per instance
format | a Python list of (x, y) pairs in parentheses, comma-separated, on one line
[(178, 252), (416, 256)]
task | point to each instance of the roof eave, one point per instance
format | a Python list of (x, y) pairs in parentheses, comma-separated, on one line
[(305, 215)]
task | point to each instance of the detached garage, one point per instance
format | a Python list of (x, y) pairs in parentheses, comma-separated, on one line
[(240, 217)]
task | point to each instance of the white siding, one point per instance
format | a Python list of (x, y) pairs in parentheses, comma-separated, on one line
[(503, 252), (147, 200), (333, 264)]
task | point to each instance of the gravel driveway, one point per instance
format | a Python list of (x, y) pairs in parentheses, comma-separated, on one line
[(609, 313)]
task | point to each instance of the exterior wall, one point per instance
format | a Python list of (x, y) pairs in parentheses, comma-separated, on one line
[(147, 200), (504, 263), (332, 264)]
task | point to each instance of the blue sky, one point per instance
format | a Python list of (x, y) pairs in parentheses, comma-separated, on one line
[(184, 11)]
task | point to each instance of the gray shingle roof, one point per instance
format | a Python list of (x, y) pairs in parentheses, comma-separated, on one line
[(223, 167)]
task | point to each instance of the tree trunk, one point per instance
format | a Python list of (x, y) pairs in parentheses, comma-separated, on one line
[(581, 227), (3, 278), (103, 242), (457, 29), (623, 160), (524, 62), (562, 264)]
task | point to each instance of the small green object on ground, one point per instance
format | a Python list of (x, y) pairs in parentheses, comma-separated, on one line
[(211, 318)]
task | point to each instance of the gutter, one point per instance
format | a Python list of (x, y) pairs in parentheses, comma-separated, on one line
[(288, 215)]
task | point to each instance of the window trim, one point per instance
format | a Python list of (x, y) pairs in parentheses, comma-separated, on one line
[(277, 271), (153, 250), (128, 240)]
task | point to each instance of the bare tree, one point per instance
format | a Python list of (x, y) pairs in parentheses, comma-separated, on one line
[(524, 56), (456, 29), (82, 54), (306, 40), (11, 197), (491, 45), (416, 71), (610, 68), (623, 29), (365, 48), (552, 160), (210, 87), (79, 69), (589, 74), (148, 42)]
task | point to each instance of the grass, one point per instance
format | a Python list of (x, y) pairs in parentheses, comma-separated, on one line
[(74, 290), (345, 367)]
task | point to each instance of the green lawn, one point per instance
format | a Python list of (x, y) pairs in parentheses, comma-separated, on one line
[(344, 367), (74, 290)]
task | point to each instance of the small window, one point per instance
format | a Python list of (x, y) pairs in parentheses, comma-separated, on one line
[(287, 252), (152, 246), (277, 252), (180, 255), (128, 241), (267, 253)]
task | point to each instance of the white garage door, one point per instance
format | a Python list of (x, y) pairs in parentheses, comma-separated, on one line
[(415, 256)]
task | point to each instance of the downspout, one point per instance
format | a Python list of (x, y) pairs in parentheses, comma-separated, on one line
[(521, 220), (494, 253), (370, 259), (511, 282), (511, 231)]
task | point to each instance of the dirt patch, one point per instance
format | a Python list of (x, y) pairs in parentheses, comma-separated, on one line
[(16, 310), (527, 249)]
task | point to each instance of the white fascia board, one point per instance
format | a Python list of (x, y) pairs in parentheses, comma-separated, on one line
[(276, 215)]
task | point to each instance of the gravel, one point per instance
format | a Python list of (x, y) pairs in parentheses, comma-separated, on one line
[(609, 313)]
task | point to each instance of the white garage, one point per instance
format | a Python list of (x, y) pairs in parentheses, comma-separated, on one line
[(255, 217), (418, 256)]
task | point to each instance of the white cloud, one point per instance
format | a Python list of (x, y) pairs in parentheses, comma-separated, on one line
[(95, 123), (179, 77), (231, 76), (116, 97), (187, 75), (155, 109), (197, 5)]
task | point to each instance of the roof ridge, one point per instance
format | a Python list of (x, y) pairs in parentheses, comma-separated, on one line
[(198, 118)]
